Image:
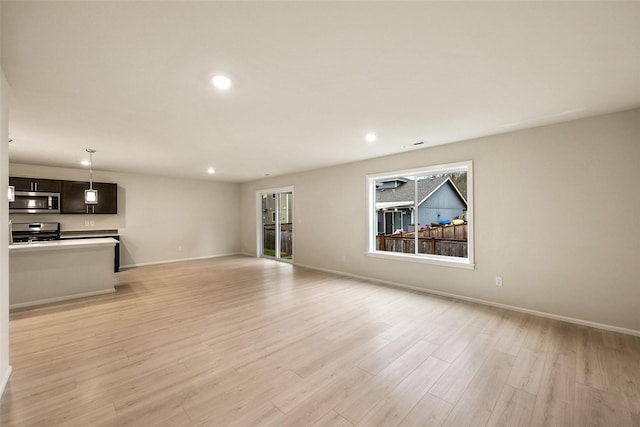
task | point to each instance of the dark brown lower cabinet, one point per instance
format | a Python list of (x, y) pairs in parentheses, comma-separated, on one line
[(72, 198)]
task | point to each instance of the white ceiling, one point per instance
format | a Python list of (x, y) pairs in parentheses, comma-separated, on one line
[(132, 79)]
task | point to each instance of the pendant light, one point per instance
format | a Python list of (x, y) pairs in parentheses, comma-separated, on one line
[(91, 195)]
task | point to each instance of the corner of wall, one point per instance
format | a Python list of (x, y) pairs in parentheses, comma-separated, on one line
[(5, 368)]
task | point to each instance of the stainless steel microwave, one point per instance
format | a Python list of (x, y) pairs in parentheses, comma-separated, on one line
[(35, 202)]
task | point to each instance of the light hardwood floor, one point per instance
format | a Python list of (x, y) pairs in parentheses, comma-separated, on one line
[(243, 341)]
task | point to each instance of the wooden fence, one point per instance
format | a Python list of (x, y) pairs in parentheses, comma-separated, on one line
[(449, 241), (286, 238)]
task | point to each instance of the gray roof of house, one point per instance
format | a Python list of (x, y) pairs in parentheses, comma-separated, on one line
[(404, 192)]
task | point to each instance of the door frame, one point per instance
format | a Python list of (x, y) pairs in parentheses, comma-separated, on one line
[(259, 231)]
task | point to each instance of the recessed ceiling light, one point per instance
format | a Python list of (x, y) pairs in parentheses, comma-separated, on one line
[(370, 137), (211, 170), (221, 82), (85, 163)]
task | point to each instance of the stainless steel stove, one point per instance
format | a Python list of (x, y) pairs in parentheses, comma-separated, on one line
[(35, 231)]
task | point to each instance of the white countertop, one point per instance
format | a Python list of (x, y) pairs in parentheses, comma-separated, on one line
[(62, 244)]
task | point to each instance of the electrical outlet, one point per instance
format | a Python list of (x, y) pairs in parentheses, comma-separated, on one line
[(498, 281)]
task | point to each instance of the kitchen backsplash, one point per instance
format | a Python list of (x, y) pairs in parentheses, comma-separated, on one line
[(74, 222)]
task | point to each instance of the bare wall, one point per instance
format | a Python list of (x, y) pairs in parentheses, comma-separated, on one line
[(159, 218), (5, 369), (556, 211)]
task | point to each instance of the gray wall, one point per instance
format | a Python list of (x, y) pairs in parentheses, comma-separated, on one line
[(572, 264), (159, 218)]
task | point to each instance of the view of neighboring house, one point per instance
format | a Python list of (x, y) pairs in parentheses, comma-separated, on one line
[(437, 197), (270, 208)]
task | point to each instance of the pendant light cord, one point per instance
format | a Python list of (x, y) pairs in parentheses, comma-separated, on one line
[(90, 151)]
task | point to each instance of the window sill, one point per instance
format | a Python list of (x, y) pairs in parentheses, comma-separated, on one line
[(425, 259)]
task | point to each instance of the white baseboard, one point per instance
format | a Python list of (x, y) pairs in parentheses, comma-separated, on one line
[(58, 299), (573, 320), (169, 261), (5, 379), (545, 314)]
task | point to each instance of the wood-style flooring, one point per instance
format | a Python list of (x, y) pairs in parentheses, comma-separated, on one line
[(241, 341)]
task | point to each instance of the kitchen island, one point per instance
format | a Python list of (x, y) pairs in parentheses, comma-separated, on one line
[(45, 272)]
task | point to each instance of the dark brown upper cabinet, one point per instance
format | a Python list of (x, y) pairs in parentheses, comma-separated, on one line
[(107, 198), (34, 184), (72, 198)]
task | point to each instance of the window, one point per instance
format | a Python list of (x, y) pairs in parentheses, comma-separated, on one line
[(423, 215)]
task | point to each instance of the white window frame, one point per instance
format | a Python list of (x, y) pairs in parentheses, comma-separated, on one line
[(372, 223)]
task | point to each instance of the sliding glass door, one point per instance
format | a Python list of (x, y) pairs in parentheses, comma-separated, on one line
[(276, 224)]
